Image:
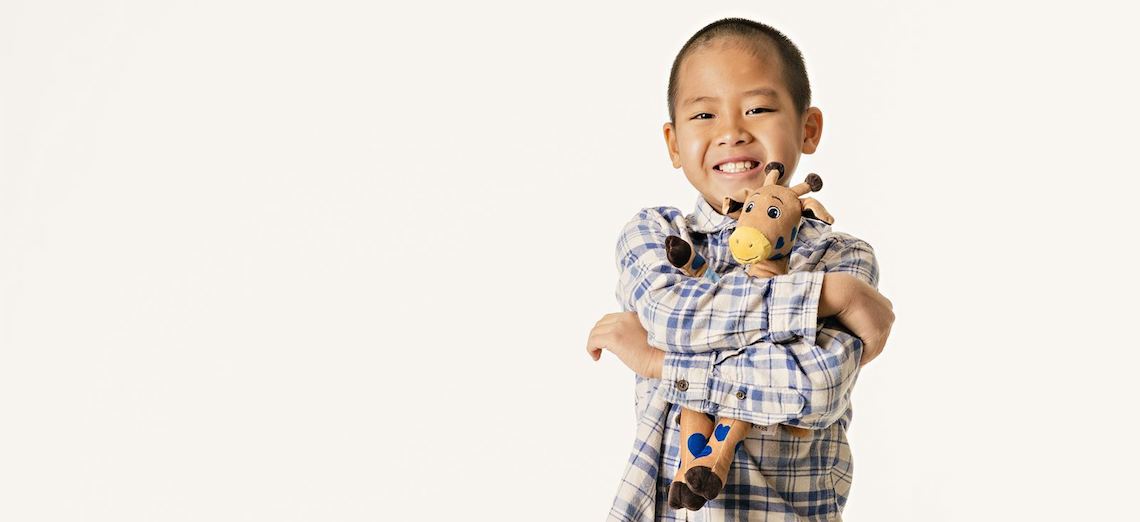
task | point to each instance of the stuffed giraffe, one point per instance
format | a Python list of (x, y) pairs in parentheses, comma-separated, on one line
[(772, 211)]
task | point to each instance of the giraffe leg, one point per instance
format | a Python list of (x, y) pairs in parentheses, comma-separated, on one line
[(707, 475), (696, 428)]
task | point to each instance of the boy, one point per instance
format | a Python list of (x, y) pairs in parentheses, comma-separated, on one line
[(742, 347)]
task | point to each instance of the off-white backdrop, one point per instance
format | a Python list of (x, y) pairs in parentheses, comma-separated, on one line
[(338, 260)]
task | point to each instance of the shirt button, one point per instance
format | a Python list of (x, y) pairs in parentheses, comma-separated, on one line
[(682, 384), (740, 394), (678, 418)]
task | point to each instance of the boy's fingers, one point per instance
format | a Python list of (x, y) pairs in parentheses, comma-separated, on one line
[(867, 357), (871, 350), (595, 344), (594, 353), (603, 329)]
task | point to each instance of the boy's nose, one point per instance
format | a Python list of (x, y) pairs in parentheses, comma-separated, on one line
[(733, 133), (736, 137)]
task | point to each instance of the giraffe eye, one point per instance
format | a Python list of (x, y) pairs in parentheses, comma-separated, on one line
[(748, 208), (773, 212)]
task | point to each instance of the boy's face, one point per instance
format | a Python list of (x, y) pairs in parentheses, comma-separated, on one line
[(732, 106)]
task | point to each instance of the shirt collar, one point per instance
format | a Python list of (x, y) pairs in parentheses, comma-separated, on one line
[(705, 220)]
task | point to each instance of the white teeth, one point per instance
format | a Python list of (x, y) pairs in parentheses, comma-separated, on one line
[(739, 166)]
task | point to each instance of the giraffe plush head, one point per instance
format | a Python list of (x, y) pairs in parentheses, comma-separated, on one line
[(769, 217)]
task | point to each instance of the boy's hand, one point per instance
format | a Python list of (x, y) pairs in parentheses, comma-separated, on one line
[(622, 334), (861, 308)]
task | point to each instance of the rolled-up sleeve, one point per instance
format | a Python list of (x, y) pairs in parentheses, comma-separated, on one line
[(804, 381), (748, 348), (690, 315)]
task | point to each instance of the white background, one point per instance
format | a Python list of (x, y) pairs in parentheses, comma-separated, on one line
[(337, 261)]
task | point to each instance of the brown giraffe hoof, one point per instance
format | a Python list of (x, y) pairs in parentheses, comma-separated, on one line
[(675, 495), (704, 482), (680, 496)]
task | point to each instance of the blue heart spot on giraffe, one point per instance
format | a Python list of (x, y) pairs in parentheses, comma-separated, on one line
[(780, 243), (699, 445), (720, 432)]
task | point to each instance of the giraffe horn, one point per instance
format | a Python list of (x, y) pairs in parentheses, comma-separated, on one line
[(813, 183), (774, 173)]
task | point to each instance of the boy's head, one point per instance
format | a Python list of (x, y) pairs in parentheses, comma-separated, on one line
[(738, 93)]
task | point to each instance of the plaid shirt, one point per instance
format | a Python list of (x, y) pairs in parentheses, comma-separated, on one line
[(747, 348)]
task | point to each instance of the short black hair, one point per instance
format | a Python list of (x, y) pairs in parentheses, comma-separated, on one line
[(792, 62)]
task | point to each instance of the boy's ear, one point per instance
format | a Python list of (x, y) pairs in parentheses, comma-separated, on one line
[(813, 129), (733, 204), (671, 143)]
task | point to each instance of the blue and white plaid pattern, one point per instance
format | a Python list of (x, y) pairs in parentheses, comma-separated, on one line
[(748, 348)]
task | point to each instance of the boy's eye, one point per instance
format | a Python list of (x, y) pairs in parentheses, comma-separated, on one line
[(698, 116), (758, 110)]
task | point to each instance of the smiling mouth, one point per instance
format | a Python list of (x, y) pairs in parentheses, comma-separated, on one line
[(738, 167)]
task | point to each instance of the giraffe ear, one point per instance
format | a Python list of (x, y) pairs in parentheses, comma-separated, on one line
[(812, 208), (733, 204)]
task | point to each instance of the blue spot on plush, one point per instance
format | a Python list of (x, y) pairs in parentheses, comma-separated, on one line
[(711, 276), (699, 445), (720, 432)]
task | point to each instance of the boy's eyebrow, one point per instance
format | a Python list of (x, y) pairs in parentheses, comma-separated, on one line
[(759, 91)]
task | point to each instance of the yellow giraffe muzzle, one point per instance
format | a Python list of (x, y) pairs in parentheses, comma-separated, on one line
[(748, 245)]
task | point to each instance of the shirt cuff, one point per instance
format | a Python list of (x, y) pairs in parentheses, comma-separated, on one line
[(686, 376), (793, 303), (760, 405)]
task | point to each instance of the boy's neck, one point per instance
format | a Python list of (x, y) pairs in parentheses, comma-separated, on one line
[(715, 207)]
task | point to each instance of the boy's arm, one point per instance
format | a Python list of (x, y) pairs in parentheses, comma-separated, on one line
[(683, 314), (805, 382)]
